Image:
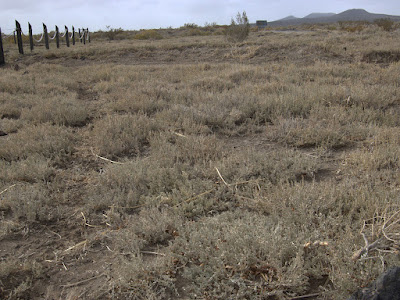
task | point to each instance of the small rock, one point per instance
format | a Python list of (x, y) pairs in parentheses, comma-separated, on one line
[(2, 133), (385, 287)]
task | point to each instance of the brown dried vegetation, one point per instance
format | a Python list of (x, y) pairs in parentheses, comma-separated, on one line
[(183, 168)]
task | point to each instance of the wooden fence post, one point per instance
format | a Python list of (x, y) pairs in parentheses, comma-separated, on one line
[(66, 36), (88, 34), (57, 37), (73, 35), (2, 61), (19, 37), (30, 36), (84, 36), (46, 36), (79, 31)]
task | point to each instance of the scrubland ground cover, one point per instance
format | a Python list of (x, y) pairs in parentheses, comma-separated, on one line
[(190, 168)]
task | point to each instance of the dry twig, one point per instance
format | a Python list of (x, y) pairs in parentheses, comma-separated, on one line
[(82, 281), (106, 159), (384, 229), (220, 176), (179, 134), (151, 252), (83, 243), (3, 191)]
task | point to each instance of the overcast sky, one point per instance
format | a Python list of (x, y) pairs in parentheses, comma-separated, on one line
[(137, 14)]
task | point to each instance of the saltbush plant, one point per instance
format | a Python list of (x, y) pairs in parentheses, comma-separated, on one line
[(239, 29)]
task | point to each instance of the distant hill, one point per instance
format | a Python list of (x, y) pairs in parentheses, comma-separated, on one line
[(319, 15), (348, 15), (288, 18)]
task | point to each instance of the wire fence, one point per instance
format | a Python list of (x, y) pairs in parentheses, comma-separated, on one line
[(19, 37)]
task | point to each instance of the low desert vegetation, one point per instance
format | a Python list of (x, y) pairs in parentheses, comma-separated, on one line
[(185, 168), (239, 29)]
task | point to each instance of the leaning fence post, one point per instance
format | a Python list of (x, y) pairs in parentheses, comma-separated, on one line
[(19, 37), (73, 35), (30, 36), (2, 61), (66, 36), (46, 36), (57, 37)]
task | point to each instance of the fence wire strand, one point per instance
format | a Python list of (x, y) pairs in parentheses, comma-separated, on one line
[(52, 38), (9, 35), (39, 40)]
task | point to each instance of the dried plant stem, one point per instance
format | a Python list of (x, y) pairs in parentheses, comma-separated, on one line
[(83, 243), (3, 191), (197, 196), (82, 281), (106, 159), (305, 296), (180, 134), (152, 252), (368, 247), (220, 176)]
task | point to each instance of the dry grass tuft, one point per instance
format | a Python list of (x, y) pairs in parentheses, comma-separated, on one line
[(123, 135)]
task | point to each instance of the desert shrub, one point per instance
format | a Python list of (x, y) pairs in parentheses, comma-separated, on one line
[(381, 57), (61, 110), (184, 118), (385, 24), (331, 128), (139, 278), (113, 33), (215, 85), (139, 102), (53, 142), (192, 150), (11, 105), (10, 111), (11, 125), (335, 214), (237, 255), (190, 25), (176, 169), (198, 32), (150, 34), (152, 227), (133, 185), (277, 167), (30, 203), (35, 168), (378, 161), (353, 26), (169, 175), (123, 135), (239, 29)]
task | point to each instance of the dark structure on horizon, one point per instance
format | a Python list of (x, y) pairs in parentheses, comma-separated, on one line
[(261, 24)]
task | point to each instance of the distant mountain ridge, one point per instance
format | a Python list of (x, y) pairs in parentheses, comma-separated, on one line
[(348, 15), (319, 15), (288, 18)]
